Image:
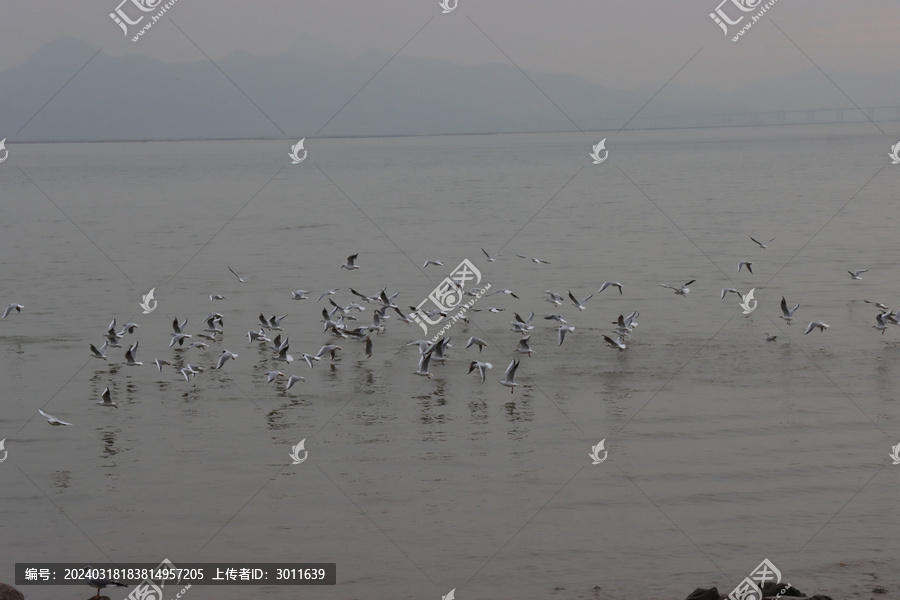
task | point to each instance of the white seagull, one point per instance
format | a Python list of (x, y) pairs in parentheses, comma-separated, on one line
[(273, 375), (226, 354), (554, 298), (880, 323), (481, 366), (562, 331), (160, 362), (476, 341), (681, 291), (106, 399), (51, 419), (537, 261), (813, 324), (619, 342), (299, 295), (510, 380), (131, 356), (745, 263), (489, 257), (12, 307), (423, 365), (607, 284), (733, 291), (351, 262), (239, 278), (853, 274), (787, 315), (771, 338), (580, 305), (761, 245), (523, 347), (292, 380), (101, 352), (433, 262), (328, 293)]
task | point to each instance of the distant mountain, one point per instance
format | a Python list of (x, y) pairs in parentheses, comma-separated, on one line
[(313, 87)]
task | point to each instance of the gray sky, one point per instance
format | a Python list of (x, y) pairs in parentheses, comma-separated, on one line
[(617, 44)]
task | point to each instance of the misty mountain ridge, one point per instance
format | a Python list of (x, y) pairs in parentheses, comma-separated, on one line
[(136, 97)]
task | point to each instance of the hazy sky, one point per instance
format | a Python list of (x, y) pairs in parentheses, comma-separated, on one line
[(617, 44)]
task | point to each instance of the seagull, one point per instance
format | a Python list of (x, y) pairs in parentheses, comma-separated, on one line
[(294, 379), (433, 262), (619, 342), (201, 345), (606, 284), (130, 356), (299, 295), (424, 345), (880, 323), (160, 362), (367, 299), (226, 354), (176, 326), (351, 262), (557, 318), (12, 307), (732, 290), (102, 583), (273, 375), (878, 305), (770, 338), (787, 315), (489, 257), (745, 263), (537, 261), (329, 348), (510, 380), (275, 322), (580, 305), (52, 420), (481, 366), (504, 291), (309, 358), (217, 297), (476, 341), (239, 278), (523, 347), (440, 346), (522, 325), (282, 353), (554, 298), (562, 331), (328, 293), (101, 353), (761, 245), (423, 365), (260, 335), (188, 371), (107, 399), (853, 275), (813, 324), (179, 339), (681, 291)]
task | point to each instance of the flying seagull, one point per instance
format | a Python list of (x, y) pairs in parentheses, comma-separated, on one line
[(489, 257), (223, 358), (351, 262), (787, 315), (12, 307), (433, 262), (681, 291), (607, 284), (481, 366), (853, 275), (813, 324), (745, 263), (51, 419), (239, 278), (761, 245), (510, 380), (580, 304), (106, 399)]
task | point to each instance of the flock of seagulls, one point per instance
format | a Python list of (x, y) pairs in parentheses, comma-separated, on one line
[(340, 323)]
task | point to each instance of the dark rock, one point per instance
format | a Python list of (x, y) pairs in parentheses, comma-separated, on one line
[(704, 594), (879, 590), (773, 589), (820, 597), (8, 592)]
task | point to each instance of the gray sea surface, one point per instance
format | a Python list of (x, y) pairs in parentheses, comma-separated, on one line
[(723, 449)]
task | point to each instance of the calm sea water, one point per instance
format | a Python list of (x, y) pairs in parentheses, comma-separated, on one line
[(722, 449)]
